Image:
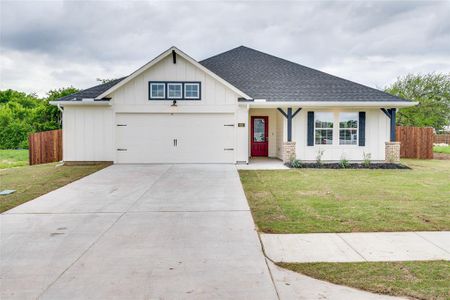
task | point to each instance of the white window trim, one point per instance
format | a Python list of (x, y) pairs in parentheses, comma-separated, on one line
[(151, 90), (336, 129), (198, 90), (320, 128), (339, 128), (168, 90)]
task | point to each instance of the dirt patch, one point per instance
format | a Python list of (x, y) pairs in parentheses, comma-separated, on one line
[(441, 156)]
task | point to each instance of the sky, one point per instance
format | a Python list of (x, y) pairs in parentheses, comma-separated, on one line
[(47, 45)]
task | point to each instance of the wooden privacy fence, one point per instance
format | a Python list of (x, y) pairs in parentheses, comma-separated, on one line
[(442, 138), (45, 147), (415, 142)]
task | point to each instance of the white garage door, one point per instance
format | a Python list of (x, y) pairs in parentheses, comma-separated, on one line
[(175, 138)]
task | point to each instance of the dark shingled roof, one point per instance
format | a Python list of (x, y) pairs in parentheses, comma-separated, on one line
[(263, 76), (91, 92)]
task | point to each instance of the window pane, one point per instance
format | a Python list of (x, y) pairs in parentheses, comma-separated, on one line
[(157, 90), (348, 137), (324, 136), (192, 90), (174, 90), (348, 120), (323, 119), (259, 132)]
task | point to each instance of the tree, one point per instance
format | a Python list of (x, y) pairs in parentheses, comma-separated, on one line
[(50, 117), (22, 114), (432, 91)]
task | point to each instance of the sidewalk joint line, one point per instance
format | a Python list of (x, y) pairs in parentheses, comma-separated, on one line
[(431, 242), (342, 238)]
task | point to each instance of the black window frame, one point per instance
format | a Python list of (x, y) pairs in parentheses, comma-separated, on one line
[(166, 91)]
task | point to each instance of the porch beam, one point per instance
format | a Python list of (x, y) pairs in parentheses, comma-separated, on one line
[(386, 112), (282, 112), (296, 112)]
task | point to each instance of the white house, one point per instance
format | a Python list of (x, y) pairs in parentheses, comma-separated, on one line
[(226, 109)]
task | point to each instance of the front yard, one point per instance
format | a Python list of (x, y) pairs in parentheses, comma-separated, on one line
[(322, 200), (13, 158), (33, 181), (420, 280), (310, 200)]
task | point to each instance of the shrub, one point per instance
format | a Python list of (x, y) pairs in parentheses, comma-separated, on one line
[(319, 156), (344, 163), (296, 164), (366, 159)]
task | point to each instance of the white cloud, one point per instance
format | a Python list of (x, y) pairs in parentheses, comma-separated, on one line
[(56, 44)]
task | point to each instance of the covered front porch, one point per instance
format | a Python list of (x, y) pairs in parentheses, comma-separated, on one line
[(270, 134), (287, 132)]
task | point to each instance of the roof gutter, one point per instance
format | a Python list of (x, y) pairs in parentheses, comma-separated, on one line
[(83, 102), (274, 104)]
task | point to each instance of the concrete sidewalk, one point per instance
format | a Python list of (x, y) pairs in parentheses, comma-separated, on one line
[(357, 247)]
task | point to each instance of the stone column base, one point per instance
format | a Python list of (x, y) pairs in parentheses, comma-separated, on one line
[(288, 152), (392, 152)]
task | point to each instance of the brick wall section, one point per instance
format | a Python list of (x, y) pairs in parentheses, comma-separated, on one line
[(288, 151), (392, 152)]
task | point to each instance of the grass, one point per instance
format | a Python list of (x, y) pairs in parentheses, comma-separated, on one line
[(13, 158), (441, 149), (321, 200), (33, 181), (416, 279)]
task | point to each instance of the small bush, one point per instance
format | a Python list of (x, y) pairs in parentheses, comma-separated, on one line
[(366, 159), (296, 164), (344, 163), (319, 156)]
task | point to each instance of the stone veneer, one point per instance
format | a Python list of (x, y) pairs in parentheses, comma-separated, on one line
[(392, 152), (288, 152)]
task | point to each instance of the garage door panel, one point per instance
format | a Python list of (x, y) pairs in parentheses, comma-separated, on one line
[(200, 138)]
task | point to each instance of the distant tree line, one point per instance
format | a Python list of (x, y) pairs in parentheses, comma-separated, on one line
[(22, 114)]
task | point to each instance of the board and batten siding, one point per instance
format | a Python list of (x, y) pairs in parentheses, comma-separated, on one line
[(377, 133), (88, 133), (133, 96)]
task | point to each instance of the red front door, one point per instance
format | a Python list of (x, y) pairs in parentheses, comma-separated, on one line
[(259, 136)]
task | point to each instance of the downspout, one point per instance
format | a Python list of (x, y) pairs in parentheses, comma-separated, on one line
[(61, 110)]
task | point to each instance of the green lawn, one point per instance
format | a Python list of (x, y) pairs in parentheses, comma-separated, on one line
[(312, 200), (441, 149), (13, 158), (33, 181), (421, 280)]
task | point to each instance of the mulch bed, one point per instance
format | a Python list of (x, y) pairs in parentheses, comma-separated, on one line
[(349, 166)]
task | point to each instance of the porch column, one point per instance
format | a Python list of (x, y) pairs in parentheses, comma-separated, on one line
[(391, 114), (289, 148), (392, 148)]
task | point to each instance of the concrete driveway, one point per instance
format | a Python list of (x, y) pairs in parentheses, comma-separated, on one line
[(136, 232)]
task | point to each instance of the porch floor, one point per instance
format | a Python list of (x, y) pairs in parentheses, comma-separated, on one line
[(263, 163)]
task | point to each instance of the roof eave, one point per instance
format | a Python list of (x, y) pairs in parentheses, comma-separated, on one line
[(330, 104), (83, 102)]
